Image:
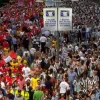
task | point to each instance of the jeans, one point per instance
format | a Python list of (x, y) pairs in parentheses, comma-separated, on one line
[(71, 88), (87, 35)]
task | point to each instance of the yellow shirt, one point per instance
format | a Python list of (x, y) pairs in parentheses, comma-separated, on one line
[(14, 64), (54, 42), (6, 51), (14, 92), (25, 95), (19, 59), (34, 83)]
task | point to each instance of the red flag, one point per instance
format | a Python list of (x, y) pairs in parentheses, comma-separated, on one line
[(13, 55)]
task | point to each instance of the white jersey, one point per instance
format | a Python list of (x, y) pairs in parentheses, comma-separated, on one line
[(64, 86)]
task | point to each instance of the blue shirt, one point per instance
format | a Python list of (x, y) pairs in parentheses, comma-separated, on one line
[(71, 76), (14, 40)]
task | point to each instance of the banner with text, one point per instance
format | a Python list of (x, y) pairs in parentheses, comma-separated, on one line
[(64, 19), (50, 18)]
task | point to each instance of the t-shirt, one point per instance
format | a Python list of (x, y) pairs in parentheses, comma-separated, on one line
[(26, 70), (21, 83), (43, 39), (64, 86), (38, 95), (14, 64), (5, 44), (34, 83), (71, 76)]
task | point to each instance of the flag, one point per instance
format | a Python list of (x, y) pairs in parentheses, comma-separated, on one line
[(11, 56)]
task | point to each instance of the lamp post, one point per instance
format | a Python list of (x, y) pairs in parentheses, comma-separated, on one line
[(57, 5)]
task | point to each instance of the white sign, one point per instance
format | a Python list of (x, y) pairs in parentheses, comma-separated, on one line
[(39, 0), (64, 19), (8, 59), (74, 0), (49, 3), (50, 19)]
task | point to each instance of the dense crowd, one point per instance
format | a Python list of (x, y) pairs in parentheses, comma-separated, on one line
[(29, 67)]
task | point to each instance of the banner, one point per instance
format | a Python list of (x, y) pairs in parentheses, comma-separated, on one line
[(39, 0), (64, 19), (12, 55), (74, 0), (49, 3), (50, 19)]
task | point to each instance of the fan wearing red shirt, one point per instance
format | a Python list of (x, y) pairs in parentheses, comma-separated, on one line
[(17, 77), (21, 82), (41, 22), (9, 80), (6, 77), (5, 34), (2, 62), (5, 69), (1, 37), (26, 16), (34, 30), (15, 70), (38, 29), (20, 68), (5, 44)]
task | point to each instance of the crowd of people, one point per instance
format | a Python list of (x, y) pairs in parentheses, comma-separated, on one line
[(29, 66)]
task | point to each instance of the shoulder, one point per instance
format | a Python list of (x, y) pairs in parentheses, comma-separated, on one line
[(38, 79)]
